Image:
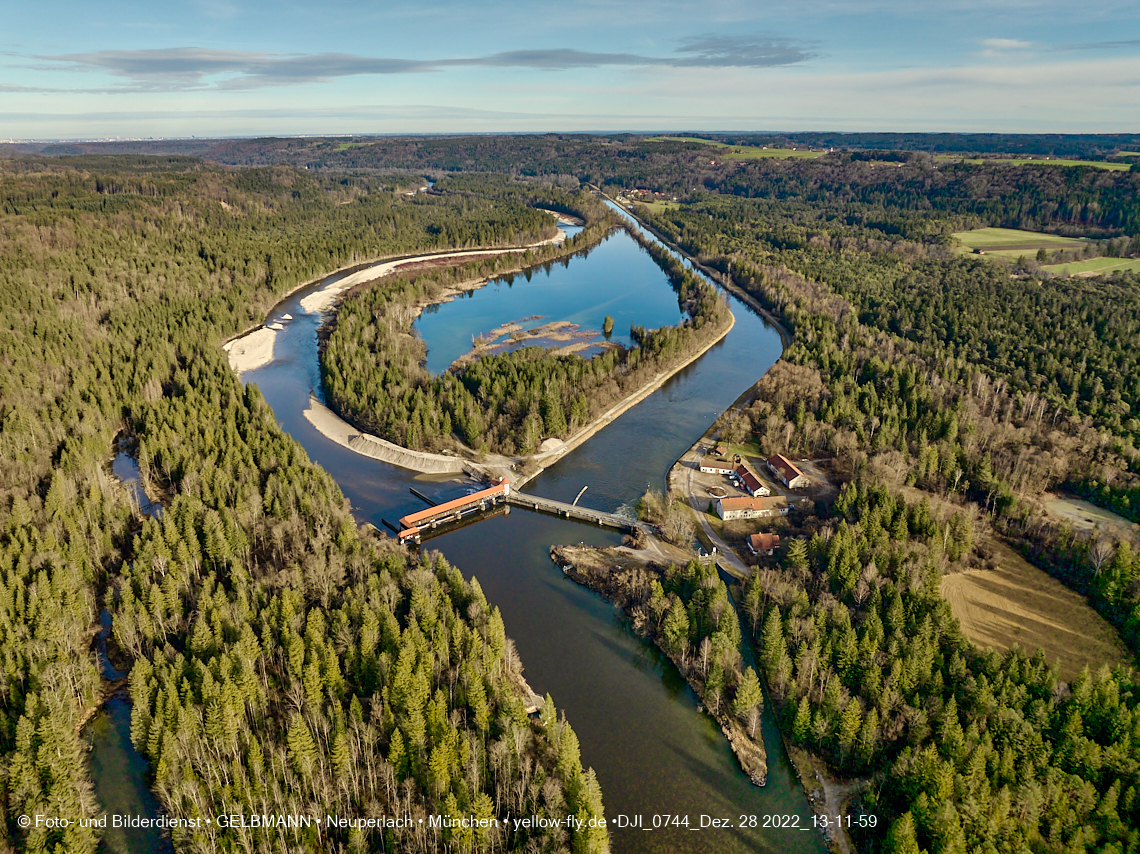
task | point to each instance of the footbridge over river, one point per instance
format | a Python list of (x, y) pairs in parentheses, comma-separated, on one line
[(415, 527), (573, 511)]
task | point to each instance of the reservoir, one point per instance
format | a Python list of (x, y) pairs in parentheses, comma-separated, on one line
[(610, 278), (639, 724)]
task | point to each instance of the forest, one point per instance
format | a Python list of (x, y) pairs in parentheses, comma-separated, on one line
[(966, 750), (281, 657), (687, 612), (919, 369), (982, 423), (914, 192), (1063, 340), (1075, 146)]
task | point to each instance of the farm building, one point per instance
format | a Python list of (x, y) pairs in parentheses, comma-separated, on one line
[(751, 508), (712, 466), (763, 544), (750, 483), (787, 472)]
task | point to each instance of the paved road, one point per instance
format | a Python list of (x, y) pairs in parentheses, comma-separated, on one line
[(726, 557)]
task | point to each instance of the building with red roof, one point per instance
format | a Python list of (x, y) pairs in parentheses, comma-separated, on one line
[(764, 544), (787, 472), (751, 508), (749, 482)]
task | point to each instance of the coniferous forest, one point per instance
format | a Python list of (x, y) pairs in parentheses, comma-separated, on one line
[(281, 656)]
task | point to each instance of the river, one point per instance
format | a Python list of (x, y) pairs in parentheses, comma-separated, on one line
[(638, 722), (120, 773)]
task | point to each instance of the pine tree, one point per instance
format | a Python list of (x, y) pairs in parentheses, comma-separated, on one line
[(302, 748), (676, 628), (901, 838), (772, 642), (748, 694)]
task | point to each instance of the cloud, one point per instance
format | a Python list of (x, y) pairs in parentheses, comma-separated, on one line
[(188, 68), (191, 68), (709, 51), (547, 60), (1117, 45), (1006, 44)]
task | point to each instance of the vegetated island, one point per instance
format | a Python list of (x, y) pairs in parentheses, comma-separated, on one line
[(514, 403), (685, 610)]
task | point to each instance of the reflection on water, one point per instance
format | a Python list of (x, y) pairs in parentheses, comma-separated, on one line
[(120, 777), (616, 278), (637, 720), (108, 670), (126, 468)]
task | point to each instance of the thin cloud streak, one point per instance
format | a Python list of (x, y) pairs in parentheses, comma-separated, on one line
[(175, 69), (1006, 44), (1114, 45)]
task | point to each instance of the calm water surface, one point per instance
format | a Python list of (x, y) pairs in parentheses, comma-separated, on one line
[(616, 278), (120, 773)]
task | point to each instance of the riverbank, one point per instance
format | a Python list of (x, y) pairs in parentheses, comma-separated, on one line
[(638, 722), (715, 275), (519, 470), (564, 219), (539, 462), (332, 426), (253, 349), (622, 574), (680, 480), (827, 795)]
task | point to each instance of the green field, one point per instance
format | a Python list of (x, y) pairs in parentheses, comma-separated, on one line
[(741, 152), (1094, 265), (1030, 161), (1012, 242), (660, 207)]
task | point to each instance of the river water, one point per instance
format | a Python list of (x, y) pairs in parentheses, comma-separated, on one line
[(120, 773), (639, 724), (637, 720)]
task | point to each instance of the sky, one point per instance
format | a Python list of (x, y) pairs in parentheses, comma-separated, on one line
[(209, 68)]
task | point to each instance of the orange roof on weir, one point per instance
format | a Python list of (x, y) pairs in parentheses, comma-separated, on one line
[(413, 520)]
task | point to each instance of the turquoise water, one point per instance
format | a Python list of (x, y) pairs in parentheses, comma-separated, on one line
[(616, 278)]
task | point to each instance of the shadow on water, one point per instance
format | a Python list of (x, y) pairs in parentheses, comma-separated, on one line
[(109, 671), (121, 776), (126, 468), (636, 718)]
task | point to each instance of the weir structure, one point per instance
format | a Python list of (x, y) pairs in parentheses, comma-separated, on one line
[(415, 527)]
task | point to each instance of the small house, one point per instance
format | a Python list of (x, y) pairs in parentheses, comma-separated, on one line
[(712, 466), (750, 483), (763, 544), (787, 472)]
